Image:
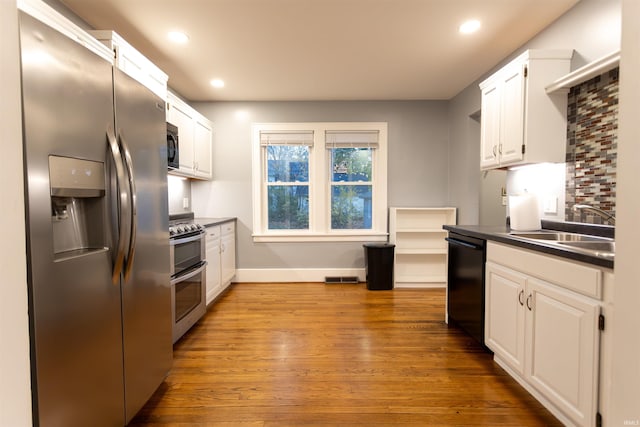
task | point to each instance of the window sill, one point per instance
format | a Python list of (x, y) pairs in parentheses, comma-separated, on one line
[(304, 238)]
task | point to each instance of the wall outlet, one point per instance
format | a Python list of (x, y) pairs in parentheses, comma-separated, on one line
[(185, 202), (504, 200)]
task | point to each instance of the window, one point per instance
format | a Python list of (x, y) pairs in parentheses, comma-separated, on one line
[(287, 179), (351, 178), (319, 182)]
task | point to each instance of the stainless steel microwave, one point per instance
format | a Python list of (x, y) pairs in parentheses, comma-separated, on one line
[(173, 147)]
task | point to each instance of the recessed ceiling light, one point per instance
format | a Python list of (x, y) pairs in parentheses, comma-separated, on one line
[(469, 27), (178, 37), (242, 115), (217, 83)]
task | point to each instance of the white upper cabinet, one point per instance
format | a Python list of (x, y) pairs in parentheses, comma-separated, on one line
[(45, 13), (490, 126), (133, 63), (512, 114), (520, 122), (195, 137), (181, 115), (202, 148)]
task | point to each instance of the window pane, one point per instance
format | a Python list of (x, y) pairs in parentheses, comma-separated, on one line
[(351, 164), (288, 207), (351, 207), (287, 163)]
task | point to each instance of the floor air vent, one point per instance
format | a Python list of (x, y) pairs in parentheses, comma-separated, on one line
[(341, 279)]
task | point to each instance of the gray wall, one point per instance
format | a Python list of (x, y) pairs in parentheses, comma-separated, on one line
[(493, 210), (417, 169), (433, 146), (591, 28), (464, 155)]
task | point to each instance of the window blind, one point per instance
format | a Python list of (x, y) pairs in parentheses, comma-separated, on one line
[(351, 139), (286, 138)]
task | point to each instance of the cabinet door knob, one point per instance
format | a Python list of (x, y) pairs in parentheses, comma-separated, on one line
[(521, 297), (529, 302), (494, 150)]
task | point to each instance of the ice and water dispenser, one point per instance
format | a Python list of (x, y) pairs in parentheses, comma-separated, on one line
[(77, 189)]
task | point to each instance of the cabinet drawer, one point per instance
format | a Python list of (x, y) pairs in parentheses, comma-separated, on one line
[(568, 274), (228, 228), (213, 232)]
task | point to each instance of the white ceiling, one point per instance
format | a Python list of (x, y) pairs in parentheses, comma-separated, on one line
[(322, 49)]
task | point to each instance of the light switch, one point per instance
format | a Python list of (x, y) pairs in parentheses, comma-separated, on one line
[(550, 205)]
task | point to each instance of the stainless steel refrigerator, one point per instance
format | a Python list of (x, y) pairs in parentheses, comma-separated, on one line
[(97, 233)]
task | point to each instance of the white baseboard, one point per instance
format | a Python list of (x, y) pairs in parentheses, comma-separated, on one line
[(406, 285), (253, 275)]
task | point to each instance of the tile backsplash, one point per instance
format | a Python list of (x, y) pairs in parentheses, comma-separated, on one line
[(592, 146)]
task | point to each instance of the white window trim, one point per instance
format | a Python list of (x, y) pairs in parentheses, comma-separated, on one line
[(319, 193)]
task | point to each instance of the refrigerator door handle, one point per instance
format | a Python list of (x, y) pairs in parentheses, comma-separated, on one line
[(133, 212), (123, 203)]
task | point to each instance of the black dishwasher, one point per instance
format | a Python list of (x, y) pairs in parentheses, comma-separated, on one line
[(465, 288)]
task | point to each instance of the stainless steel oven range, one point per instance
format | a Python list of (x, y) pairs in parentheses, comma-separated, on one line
[(188, 265)]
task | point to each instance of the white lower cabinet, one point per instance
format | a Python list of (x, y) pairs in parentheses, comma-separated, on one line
[(545, 335), (504, 314), (221, 258), (228, 253), (213, 263), (562, 342)]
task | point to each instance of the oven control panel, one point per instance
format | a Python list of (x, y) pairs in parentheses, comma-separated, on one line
[(185, 229)]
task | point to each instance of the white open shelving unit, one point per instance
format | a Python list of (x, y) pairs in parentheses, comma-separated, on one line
[(421, 251), (582, 74)]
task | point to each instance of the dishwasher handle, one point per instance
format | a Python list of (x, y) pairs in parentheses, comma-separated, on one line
[(465, 244)]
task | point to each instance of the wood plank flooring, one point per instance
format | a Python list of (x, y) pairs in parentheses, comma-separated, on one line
[(310, 354)]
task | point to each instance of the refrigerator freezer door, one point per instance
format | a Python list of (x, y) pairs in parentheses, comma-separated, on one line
[(75, 313), (146, 304)]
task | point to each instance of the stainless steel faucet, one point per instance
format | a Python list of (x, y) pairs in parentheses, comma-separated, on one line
[(605, 215)]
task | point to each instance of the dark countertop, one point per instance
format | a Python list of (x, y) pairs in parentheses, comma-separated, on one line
[(501, 234), (211, 222)]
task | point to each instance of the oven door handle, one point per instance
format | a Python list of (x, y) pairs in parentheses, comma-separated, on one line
[(174, 242), (190, 274)]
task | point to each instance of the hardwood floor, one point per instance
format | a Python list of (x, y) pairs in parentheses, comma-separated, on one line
[(310, 354)]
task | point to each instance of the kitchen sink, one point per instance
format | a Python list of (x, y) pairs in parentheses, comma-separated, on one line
[(601, 247), (593, 246), (559, 237)]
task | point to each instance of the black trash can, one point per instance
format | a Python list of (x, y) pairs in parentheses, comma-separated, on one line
[(378, 264)]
